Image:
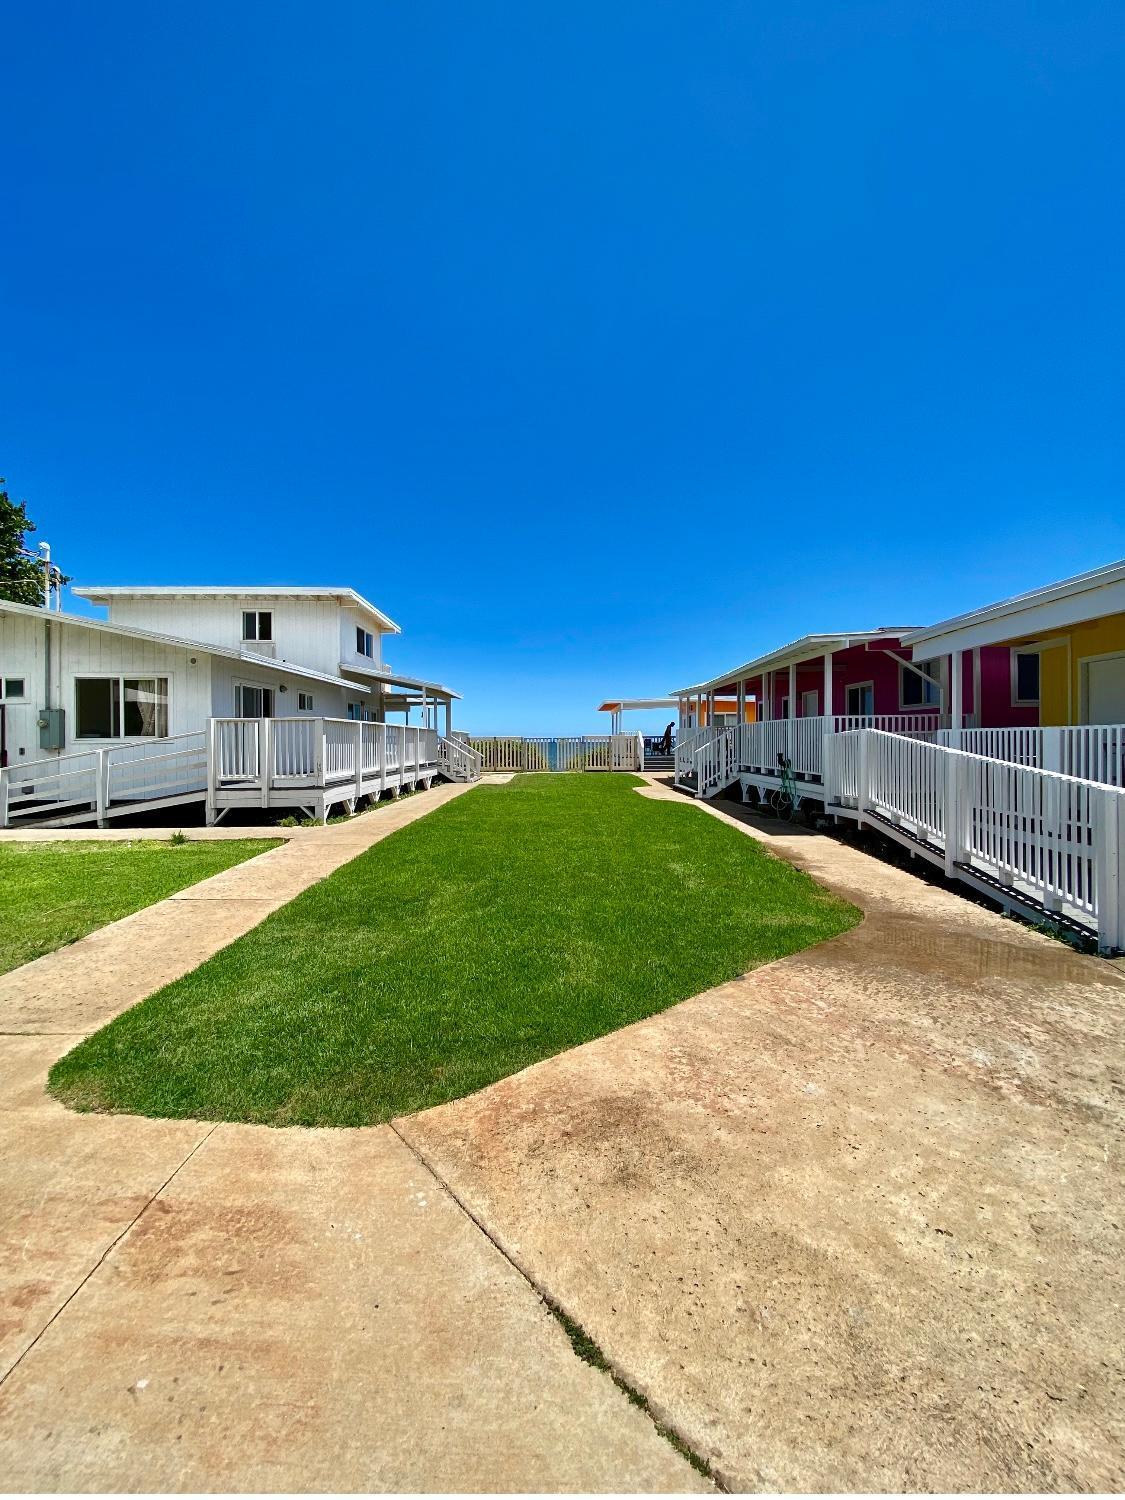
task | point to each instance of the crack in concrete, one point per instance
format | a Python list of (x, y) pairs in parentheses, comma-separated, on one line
[(585, 1346), (106, 1253)]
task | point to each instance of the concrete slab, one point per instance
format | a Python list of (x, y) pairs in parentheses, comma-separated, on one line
[(191, 1307), (853, 1221), (70, 1185), (307, 1311)]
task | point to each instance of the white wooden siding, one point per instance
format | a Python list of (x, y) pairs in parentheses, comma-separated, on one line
[(307, 631)]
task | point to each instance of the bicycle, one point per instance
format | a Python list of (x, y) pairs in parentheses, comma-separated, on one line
[(784, 799)]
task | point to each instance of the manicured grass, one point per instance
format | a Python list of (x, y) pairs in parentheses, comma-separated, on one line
[(512, 923), (53, 894)]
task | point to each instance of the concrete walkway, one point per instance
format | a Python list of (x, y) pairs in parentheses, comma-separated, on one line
[(855, 1221), (194, 1307)]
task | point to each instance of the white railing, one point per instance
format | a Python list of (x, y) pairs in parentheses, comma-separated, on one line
[(593, 752), (1092, 752), (716, 765), (97, 780), (801, 741), (1052, 839), (627, 752), (458, 761), (287, 754), (686, 746)]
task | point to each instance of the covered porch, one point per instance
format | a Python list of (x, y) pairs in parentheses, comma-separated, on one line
[(429, 704)]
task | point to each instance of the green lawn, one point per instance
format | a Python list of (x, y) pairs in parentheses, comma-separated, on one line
[(53, 894), (512, 923)]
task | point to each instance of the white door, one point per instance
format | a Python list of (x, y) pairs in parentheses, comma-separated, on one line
[(1105, 690), (20, 731), (810, 704)]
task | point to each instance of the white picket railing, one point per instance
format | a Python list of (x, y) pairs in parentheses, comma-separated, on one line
[(597, 752), (459, 761), (1093, 752), (1051, 839), (686, 746), (715, 761), (288, 754), (101, 779), (801, 741)]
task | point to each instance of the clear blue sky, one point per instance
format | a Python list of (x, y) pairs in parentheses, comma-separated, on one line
[(602, 345)]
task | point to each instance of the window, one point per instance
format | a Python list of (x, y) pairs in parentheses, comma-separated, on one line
[(304, 703), (12, 687), (257, 625), (252, 702), (111, 708), (859, 701), (1025, 677), (355, 710), (920, 692), (364, 642)]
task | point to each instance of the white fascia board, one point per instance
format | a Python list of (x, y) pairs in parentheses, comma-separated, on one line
[(396, 679), (808, 648), (345, 596), (1017, 619)]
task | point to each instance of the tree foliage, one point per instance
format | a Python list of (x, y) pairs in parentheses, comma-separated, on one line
[(21, 578)]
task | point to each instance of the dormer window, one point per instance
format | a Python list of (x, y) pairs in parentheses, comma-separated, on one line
[(364, 642), (257, 625)]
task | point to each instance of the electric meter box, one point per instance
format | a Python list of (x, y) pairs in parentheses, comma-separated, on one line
[(52, 728)]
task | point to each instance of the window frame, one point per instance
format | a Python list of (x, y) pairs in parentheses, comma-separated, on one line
[(121, 678), (905, 672), (6, 696), (305, 704), (365, 639), (855, 687), (1015, 653), (254, 687), (257, 615)]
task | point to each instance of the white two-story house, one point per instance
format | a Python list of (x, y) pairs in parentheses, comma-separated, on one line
[(180, 665)]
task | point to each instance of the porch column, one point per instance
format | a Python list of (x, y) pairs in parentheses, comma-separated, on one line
[(956, 706), (978, 708), (792, 732), (828, 711)]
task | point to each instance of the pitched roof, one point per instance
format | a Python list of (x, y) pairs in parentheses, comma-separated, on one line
[(202, 648), (104, 595), (802, 649)]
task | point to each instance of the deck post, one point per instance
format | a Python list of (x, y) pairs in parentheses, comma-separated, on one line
[(862, 785), (3, 796), (954, 811), (102, 787), (1052, 751), (212, 769), (1106, 806), (358, 760), (265, 756), (956, 705)]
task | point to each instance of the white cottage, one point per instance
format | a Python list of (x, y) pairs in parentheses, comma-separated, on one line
[(236, 696)]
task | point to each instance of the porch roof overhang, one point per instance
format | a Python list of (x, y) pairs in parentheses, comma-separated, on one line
[(277, 664), (1040, 613), (624, 705), (396, 679), (804, 649)]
